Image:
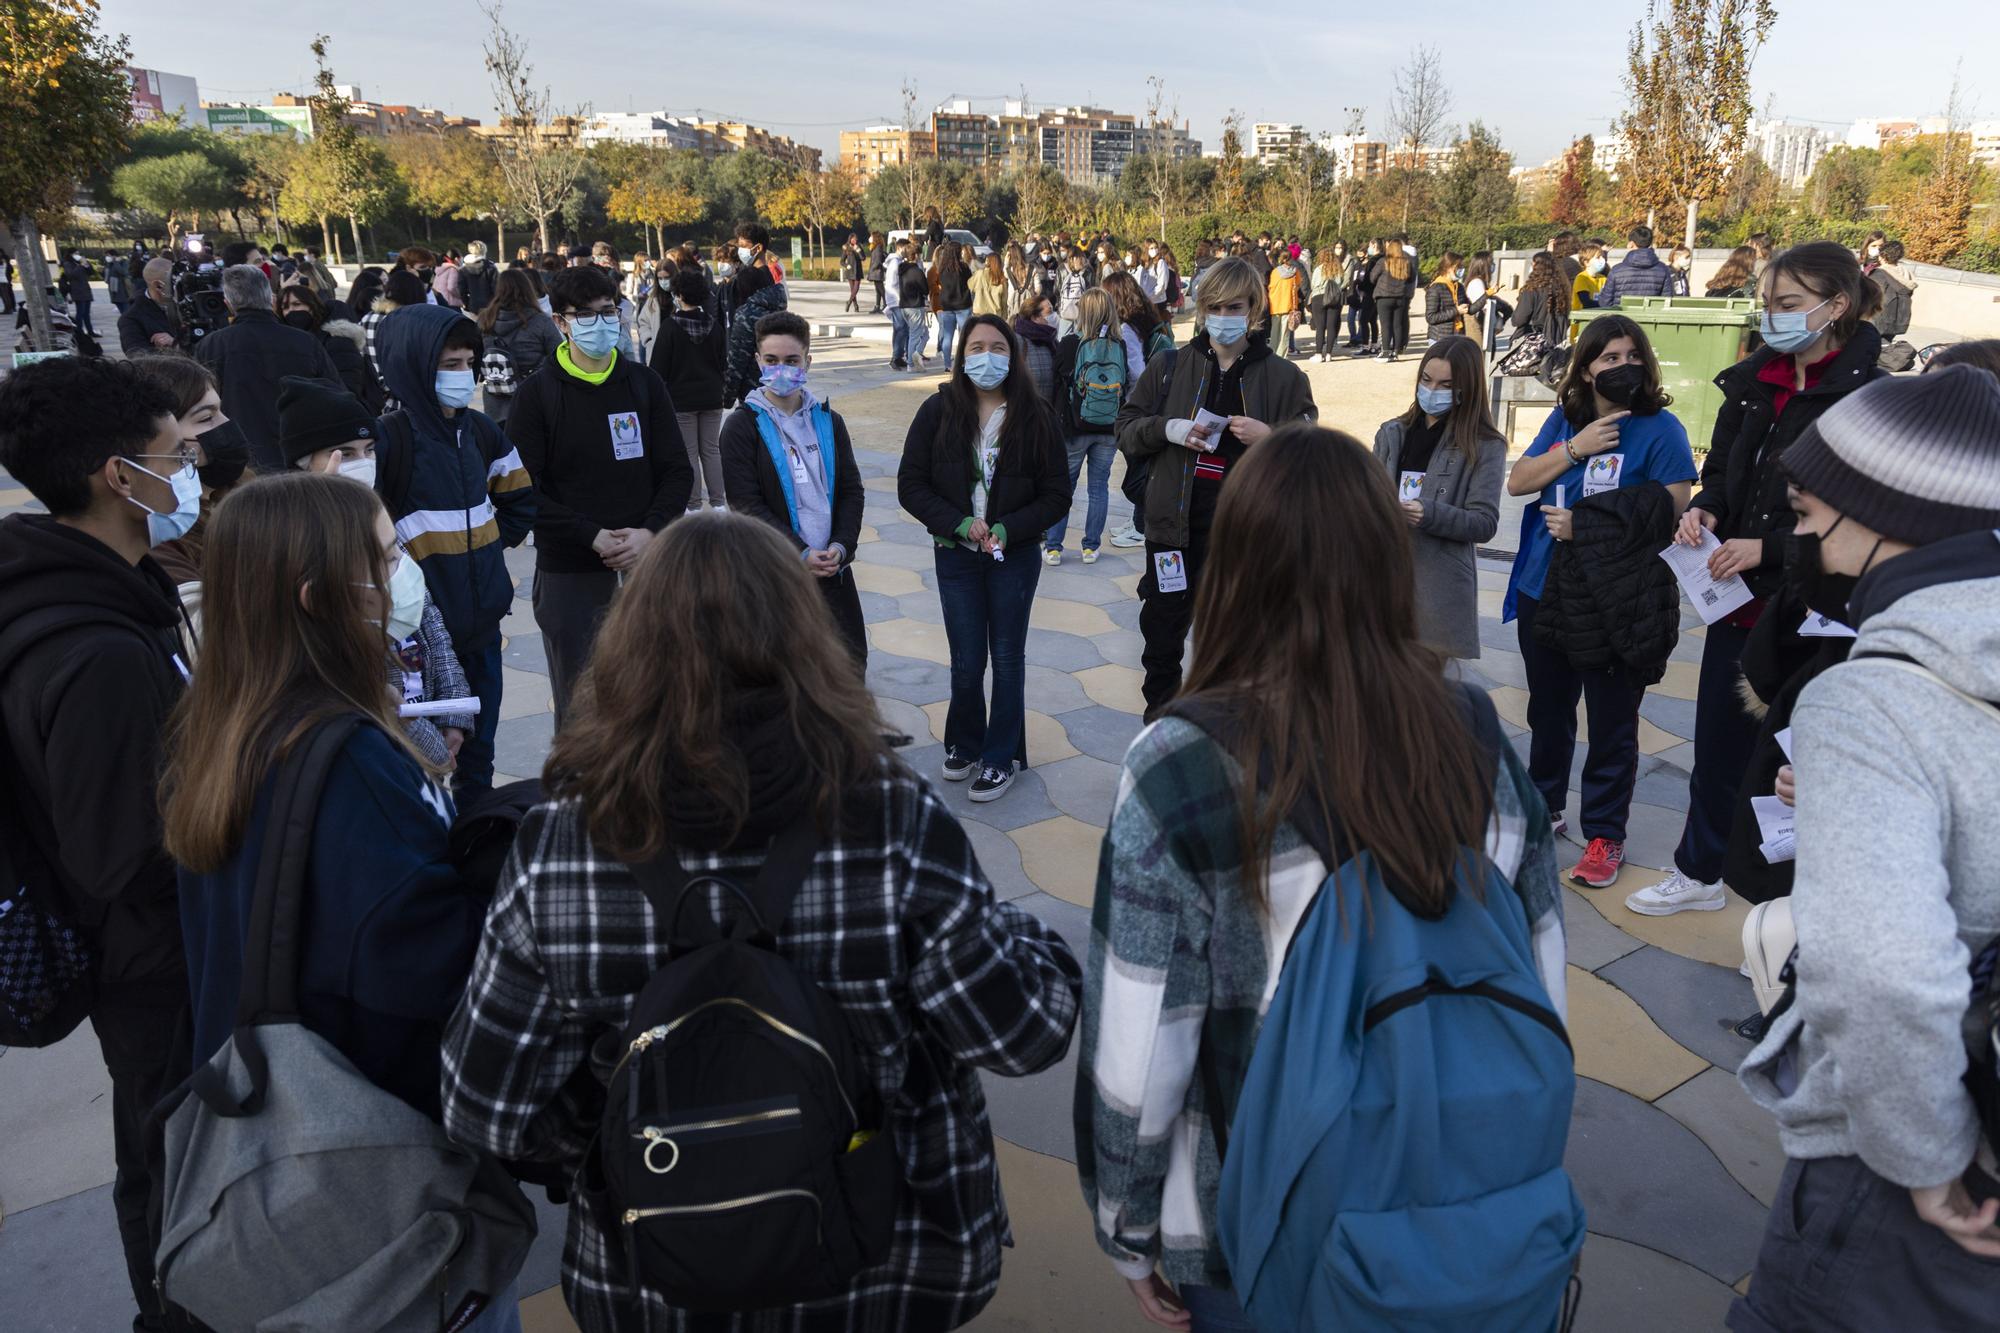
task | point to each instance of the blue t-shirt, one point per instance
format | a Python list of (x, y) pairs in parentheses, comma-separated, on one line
[(1651, 448)]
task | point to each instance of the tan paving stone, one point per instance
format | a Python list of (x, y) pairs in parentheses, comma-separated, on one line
[(1060, 855), (13, 497), (1706, 937), (544, 1312), (911, 638), (1070, 617), (1128, 584), (880, 485), (1616, 1043), (886, 579), (524, 693), (1048, 743), (1114, 687), (868, 534), (1055, 1279), (1681, 680)]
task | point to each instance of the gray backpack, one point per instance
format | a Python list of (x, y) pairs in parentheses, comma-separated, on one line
[(296, 1195)]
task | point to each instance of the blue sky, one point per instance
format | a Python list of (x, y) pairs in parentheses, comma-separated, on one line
[(1537, 75)]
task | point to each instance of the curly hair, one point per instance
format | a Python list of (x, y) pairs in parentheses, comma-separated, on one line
[(62, 420)]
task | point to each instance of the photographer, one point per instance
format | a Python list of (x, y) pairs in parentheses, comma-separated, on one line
[(153, 323)]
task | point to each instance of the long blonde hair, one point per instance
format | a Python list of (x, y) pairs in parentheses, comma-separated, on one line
[(274, 662), (1097, 309)]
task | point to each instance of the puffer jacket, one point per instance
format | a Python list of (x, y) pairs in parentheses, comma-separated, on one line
[(1610, 602), (347, 344)]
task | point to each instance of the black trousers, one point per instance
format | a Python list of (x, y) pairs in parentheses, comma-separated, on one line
[(1361, 330), (843, 599), (569, 608), (1165, 618), (1610, 760), (1724, 739), (1326, 325), (1393, 314), (142, 1032)]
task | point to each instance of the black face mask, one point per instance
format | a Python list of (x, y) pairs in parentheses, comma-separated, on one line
[(1621, 384), (301, 319), (228, 453), (1807, 579)]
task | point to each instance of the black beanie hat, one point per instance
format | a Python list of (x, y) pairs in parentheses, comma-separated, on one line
[(315, 415)]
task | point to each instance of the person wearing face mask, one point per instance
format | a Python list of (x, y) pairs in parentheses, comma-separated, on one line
[(222, 458), (1034, 326), (982, 470), (788, 461), (753, 294), (1599, 613), (459, 495), (1818, 349), (1879, 1073), (599, 434), (1447, 460), (346, 342), (688, 354), (249, 357), (1229, 371), (1590, 276), (92, 661), (153, 321), (1679, 268), (1362, 327)]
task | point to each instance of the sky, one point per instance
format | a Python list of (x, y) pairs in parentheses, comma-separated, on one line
[(1539, 78)]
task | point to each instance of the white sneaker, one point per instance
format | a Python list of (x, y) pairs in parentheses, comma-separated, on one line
[(1743, 970), (1090, 555), (1052, 558), (1677, 893), (1127, 536)]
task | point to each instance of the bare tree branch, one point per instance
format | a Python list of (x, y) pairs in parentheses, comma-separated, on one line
[(539, 164)]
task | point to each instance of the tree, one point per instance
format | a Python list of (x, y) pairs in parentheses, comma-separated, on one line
[(1935, 217), (1750, 189), (539, 162), (830, 197), (268, 162), (1159, 173), (1688, 84), (1572, 202), (447, 175), (1478, 186), (911, 179), (356, 178), (654, 202), (1306, 175), (66, 104), (180, 188), (1842, 183), (311, 194), (1039, 193), (1416, 118), (1231, 189), (1346, 177)]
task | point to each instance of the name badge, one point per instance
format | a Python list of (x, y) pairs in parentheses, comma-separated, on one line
[(1170, 571), (413, 686), (1602, 473), (1410, 486), (626, 441), (798, 468)]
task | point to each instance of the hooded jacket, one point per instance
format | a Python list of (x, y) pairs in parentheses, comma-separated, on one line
[(1610, 602), (758, 477), (1895, 888), (248, 359), (1639, 273), (468, 497), (88, 673), (346, 346)]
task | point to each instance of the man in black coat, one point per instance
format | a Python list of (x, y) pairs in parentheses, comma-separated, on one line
[(250, 356), (152, 322)]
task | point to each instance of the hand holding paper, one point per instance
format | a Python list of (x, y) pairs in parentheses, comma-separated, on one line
[(1712, 598)]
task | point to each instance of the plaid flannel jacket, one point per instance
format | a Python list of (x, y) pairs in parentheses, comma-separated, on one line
[(896, 921)]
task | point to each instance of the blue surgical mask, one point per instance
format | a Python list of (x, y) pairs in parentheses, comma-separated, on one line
[(453, 388), (783, 381), (1787, 330), (743, 253), (174, 524), (1434, 402), (1228, 329), (986, 369), (594, 335), (1596, 267)]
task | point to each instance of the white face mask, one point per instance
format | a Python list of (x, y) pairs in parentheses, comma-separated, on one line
[(361, 469), (406, 595)]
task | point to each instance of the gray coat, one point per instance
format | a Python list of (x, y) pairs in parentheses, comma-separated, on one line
[(1461, 501)]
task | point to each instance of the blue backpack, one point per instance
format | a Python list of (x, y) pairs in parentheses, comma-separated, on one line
[(1395, 1159)]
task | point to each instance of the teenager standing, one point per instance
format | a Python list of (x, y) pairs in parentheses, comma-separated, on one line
[(983, 471), (1393, 276), (951, 295), (688, 355), (1093, 373), (852, 266)]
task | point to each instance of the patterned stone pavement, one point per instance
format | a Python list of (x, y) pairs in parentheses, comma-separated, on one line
[(1673, 1163)]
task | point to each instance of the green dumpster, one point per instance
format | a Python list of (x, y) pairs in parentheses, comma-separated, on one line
[(1696, 338)]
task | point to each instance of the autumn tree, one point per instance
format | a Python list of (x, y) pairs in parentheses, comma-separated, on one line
[(656, 203), (355, 177), (1417, 120), (1687, 82), (1842, 183), (1572, 202), (1231, 187), (65, 106), (1934, 216), (268, 162), (448, 175), (539, 163), (1039, 194), (1478, 186), (1750, 189)]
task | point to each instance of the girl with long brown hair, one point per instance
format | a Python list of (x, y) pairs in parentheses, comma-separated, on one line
[(1737, 276), (1448, 461), (1393, 278), (721, 711), (1312, 706)]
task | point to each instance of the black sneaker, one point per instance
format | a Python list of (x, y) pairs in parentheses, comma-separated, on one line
[(992, 783), (958, 767)]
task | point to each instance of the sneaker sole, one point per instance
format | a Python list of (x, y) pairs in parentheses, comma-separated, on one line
[(1575, 878), (1664, 910), (950, 776), (983, 796)]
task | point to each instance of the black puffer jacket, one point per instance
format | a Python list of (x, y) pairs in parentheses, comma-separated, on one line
[(1610, 602), (1742, 483)]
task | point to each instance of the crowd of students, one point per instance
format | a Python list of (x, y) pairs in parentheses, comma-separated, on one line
[(231, 601)]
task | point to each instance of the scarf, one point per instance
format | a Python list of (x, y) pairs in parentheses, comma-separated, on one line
[(1033, 330)]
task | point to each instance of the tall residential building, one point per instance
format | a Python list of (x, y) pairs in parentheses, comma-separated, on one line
[(653, 129), (1272, 143), (293, 114), (736, 136), (870, 150), (1355, 155), (1789, 149), (1088, 145), (1881, 133)]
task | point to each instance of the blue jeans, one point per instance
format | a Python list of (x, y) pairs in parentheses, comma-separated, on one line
[(949, 323), (1215, 1310), (899, 334), (1099, 450), (910, 324), (482, 675), (986, 604)]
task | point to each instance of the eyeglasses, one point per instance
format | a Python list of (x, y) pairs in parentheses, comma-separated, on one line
[(184, 461)]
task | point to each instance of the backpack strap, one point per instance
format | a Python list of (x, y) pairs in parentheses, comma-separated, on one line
[(768, 899), (270, 985)]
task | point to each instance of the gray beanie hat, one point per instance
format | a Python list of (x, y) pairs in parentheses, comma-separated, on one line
[(1915, 457)]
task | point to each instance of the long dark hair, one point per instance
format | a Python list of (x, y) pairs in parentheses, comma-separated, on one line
[(1579, 399), (718, 604), (1133, 307), (1735, 271), (366, 287), (1029, 428), (1469, 420), (1828, 269), (517, 291), (1545, 276), (1307, 633)]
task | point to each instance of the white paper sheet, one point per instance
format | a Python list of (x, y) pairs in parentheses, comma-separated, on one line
[(440, 707), (1712, 599), (1784, 739), (1818, 626), (1776, 826)]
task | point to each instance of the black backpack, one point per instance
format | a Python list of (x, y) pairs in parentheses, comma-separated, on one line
[(742, 1162)]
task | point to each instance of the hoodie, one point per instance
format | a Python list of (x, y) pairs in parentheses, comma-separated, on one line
[(477, 279), (468, 496), (1639, 273), (1895, 887), (89, 670)]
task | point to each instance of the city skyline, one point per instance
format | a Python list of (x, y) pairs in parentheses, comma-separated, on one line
[(839, 76)]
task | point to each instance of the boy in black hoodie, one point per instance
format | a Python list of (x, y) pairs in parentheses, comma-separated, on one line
[(599, 435), (91, 663)]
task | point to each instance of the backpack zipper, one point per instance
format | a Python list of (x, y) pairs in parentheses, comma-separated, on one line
[(723, 1122), (661, 1032), (633, 1215)]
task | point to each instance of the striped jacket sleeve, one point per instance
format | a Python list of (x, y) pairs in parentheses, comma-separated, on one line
[(508, 483)]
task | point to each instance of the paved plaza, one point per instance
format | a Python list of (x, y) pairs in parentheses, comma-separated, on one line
[(1674, 1165)]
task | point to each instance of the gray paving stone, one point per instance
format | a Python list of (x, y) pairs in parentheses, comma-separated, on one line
[(1675, 716), (1502, 666), (520, 564), (1680, 756), (1063, 651), (1697, 1004), (519, 620), (898, 715), (56, 1104), (999, 856), (1687, 648), (1054, 692), (522, 743), (1121, 646), (1026, 802), (910, 679), (1124, 613), (525, 654), (902, 557), (1628, 1288), (877, 607), (1082, 787), (1074, 581), (904, 533), (1645, 1178), (1742, 1135), (61, 1269), (1034, 1112), (1103, 733), (1592, 941), (921, 606)]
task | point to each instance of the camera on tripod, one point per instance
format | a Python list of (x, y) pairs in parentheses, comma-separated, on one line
[(198, 296)]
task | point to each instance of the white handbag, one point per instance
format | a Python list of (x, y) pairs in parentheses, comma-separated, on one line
[(1768, 939)]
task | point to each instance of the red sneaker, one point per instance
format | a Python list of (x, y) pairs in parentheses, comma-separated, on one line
[(1600, 865)]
